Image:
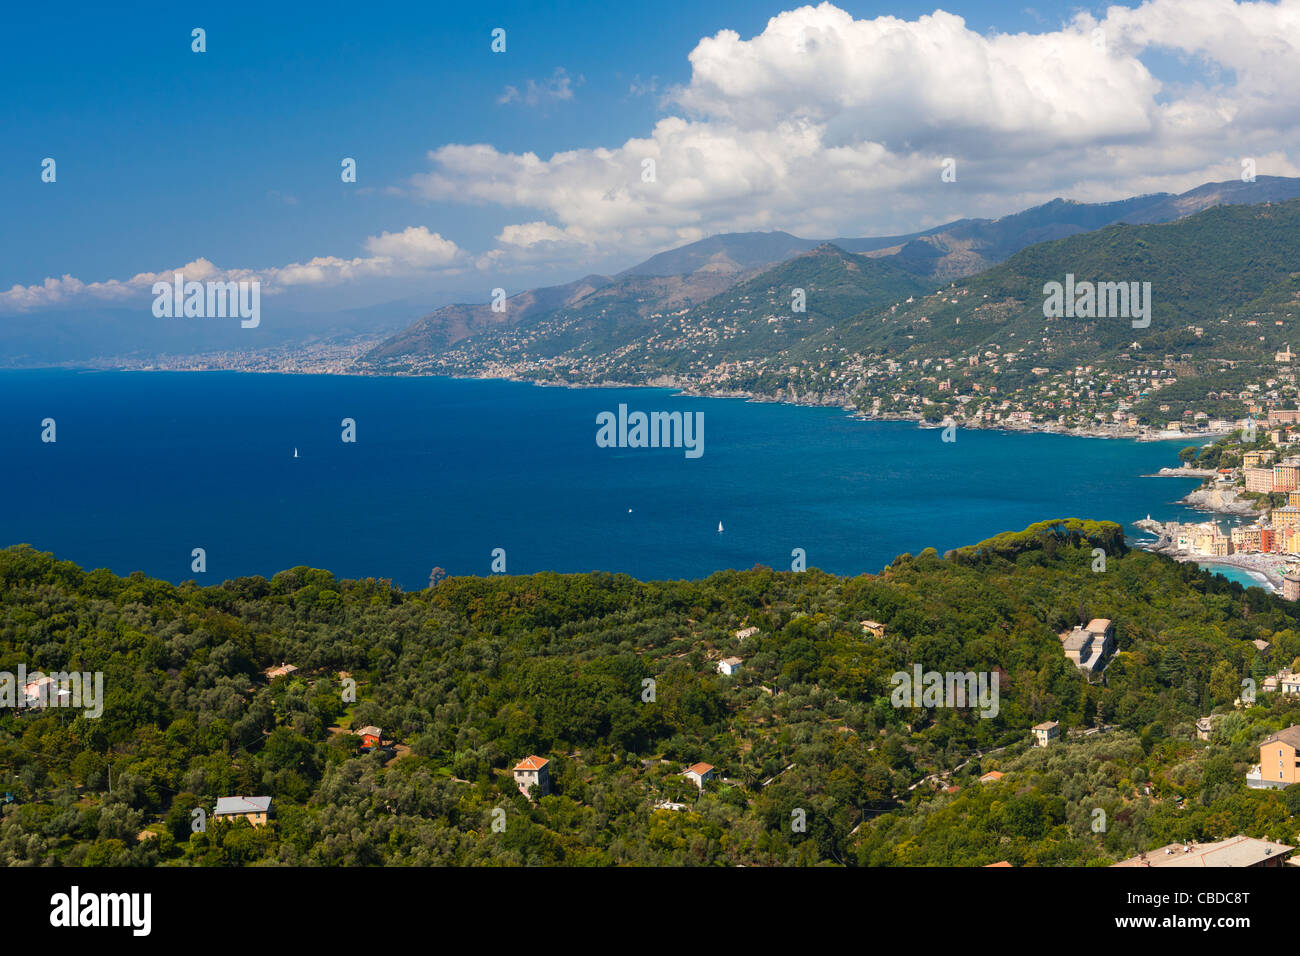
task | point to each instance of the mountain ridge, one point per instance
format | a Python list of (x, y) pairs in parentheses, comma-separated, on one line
[(958, 249)]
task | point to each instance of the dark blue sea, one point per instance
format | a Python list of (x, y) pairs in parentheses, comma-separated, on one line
[(148, 466)]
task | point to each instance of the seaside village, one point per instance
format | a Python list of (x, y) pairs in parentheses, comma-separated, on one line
[(1274, 535)]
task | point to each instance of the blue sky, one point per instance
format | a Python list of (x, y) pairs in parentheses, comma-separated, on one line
[(165, 155)]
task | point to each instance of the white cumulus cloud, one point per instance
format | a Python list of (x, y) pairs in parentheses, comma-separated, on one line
[(825, 125), (412, 251)]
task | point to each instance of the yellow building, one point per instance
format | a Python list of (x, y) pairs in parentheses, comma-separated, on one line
[(253, 809), (1246, 538), (1286, 518), (874, 628), (1279, 764), (1220, 545)]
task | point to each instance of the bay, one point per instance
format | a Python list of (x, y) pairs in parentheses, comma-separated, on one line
[(148, 466)]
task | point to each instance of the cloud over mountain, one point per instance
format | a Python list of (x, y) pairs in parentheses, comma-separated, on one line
[(827, 125), (823, 124)]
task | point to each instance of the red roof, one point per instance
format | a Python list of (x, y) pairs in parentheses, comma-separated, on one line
[(700, 768), (532, 763)]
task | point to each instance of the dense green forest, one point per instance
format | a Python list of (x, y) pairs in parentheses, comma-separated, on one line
[(615, 682)]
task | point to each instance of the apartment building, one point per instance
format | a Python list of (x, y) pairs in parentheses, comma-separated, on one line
[(1246, 538), (1286, 475), (1258, 479), (1286, 518)]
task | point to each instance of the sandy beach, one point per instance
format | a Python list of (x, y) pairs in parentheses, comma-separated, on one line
[(1268, 568)]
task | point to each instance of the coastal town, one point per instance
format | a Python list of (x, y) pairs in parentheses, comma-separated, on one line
[(1254, 474), (914, 360)]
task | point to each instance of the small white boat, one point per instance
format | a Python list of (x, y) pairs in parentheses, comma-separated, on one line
[(719, 527), (295, 453)]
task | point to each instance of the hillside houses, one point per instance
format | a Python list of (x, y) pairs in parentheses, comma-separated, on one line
[(1285, 681)]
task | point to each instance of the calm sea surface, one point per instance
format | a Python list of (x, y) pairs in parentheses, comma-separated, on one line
[(148, 466)]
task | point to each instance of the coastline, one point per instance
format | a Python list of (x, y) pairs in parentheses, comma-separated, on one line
[(1202, 499), (1263, 568), (342, 360)]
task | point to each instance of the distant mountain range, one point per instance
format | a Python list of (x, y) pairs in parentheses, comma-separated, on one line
[(1207, 271), (645, 306), (46, 337), (618, 322)]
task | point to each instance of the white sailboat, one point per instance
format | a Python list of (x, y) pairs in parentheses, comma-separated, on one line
[(719, 527), (295, 453)]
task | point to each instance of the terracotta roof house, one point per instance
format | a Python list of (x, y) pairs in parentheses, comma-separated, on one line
[(282, 671), (370, 736), (993, 776), (699, 773), (39, 692), (533, 771)]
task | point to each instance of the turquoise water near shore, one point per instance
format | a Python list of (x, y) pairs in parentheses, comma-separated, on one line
[(1241, 576), (148, 466)]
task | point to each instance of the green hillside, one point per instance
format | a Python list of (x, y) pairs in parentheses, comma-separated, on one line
[(1207, 270), (614, 682)]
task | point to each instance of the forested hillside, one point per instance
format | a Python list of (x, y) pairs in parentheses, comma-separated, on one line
[(614, 681)]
